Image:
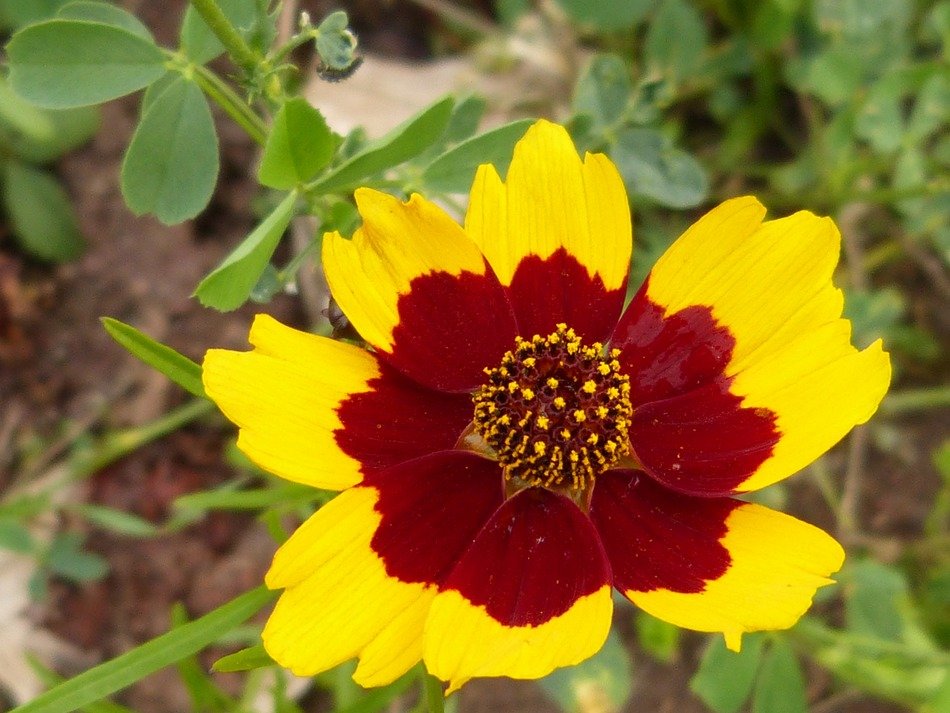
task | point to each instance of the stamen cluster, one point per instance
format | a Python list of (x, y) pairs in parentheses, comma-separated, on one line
[(555, 412)]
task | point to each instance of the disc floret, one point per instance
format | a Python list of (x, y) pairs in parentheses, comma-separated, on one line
[(555, 411)]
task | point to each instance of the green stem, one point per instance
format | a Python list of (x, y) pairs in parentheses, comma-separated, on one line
[(814, 635), (222, 28), (916, 400), (235, 107), (121, 443)]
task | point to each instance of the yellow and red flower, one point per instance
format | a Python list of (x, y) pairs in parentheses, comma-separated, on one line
[(515, 444)]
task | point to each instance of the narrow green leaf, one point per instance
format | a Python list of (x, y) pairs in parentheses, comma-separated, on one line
[(177, 367), (40, 213), (122, 523), (244, 660), (112, 676), (104, 13), (453, 171), (171, 165), (227, 287), (724, 679), (252, 499), (200, 43), (407, 140), (379, 698), (780, 686), (651, 167), (299, 144), (65, 63), (51, 678)]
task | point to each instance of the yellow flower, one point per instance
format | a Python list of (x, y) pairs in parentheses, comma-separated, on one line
[(516, 444)]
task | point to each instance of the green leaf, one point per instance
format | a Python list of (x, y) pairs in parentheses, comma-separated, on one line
[(197, 40), (106, 14), (18, 13), (122, 523), (244, 660), (177, 367), (65, 63), (15, 537), (66, 559), (40, 213), (602, 682), (171, 165), (880, 120), (299, 144), (453, 171), (228, 286), (675, 41), (603, 90), (652, 167), (724, 679), (466, 116), (607, 15), (407, 140), (379, 699), (931, 108), (780, 686), (112, 676), (874, 313), (23, 117), (335, 43), (71, 128), (660, 639), (874, 594), (860, 20)]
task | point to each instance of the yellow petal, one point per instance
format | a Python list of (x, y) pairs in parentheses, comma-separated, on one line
[(551, 200), (285, 394), (778, 562)]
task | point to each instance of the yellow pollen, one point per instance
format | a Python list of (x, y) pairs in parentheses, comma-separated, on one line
[(555, 411)]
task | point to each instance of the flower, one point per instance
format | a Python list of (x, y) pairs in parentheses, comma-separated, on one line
[(515, 444)]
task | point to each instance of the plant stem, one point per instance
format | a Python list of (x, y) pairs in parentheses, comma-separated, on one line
[(235, 107), (221, 26), (916, 400), (121, 443)]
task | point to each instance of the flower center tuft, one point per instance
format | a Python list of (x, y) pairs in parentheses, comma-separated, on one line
[(555, 411)]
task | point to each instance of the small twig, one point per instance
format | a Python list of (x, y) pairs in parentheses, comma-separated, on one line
[(928, 263), (916, 400), (849, 220), (836, 701), (851, 490), (459, 16)]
